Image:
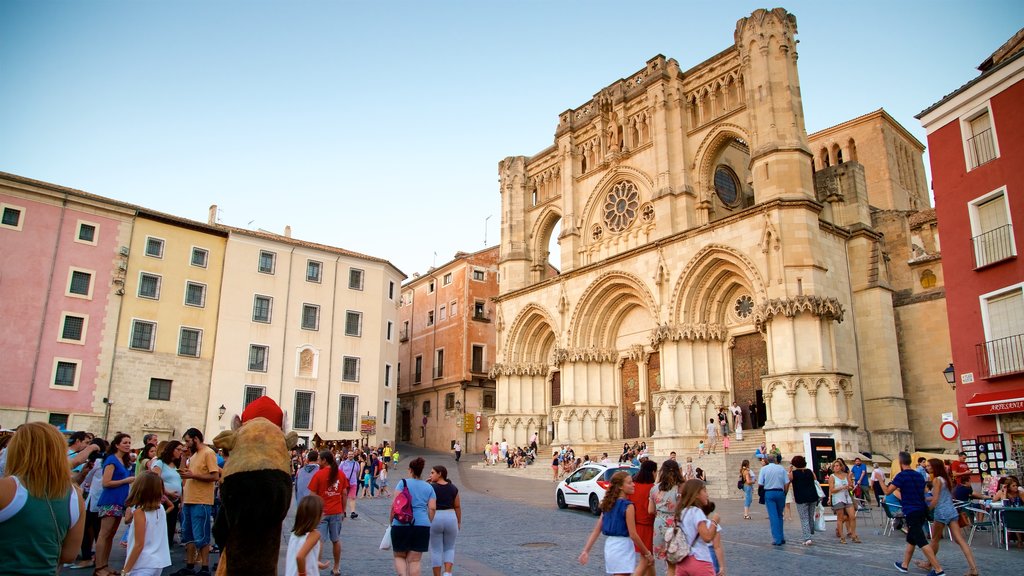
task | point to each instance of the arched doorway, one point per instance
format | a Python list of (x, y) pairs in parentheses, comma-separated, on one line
[(749, 363)]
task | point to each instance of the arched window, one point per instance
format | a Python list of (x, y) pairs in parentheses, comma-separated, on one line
[(851, 147), (824, 158), (727, 186)]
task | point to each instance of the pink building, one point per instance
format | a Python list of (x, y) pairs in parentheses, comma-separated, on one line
[(61, 258)]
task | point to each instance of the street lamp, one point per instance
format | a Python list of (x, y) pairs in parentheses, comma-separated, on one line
[(950, 375), (221, 411), (458, 407)]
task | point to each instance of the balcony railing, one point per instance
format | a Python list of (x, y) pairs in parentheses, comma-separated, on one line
[(982, 148), (481, 316), (1001, 357), (479, 368), (993, 246), (403, 335)]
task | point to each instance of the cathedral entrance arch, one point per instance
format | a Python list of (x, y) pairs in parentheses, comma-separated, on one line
[(630, 375), (749, 363)]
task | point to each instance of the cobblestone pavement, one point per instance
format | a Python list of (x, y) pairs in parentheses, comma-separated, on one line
[(512, 526)]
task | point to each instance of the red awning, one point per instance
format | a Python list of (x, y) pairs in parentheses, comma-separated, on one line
[(992, 403)]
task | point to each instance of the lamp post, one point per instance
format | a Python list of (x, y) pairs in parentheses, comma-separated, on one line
[(950, 375), (221, 411)]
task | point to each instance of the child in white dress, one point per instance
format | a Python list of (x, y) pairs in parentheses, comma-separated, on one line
[(304, 540), (148, 552)]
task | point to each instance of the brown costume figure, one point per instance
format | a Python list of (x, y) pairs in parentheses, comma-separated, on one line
[(255, 491)]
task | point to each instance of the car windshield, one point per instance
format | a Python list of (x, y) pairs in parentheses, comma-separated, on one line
[(607, 476)]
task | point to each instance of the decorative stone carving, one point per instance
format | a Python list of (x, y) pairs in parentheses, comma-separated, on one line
[(518, 369), (828, 308), (591, 354), (638, 354), (692, 332)]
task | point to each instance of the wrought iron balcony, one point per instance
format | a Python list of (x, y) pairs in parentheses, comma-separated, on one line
[(982, 148), (993, 246), (481, 316), (403, 335), (1001, 357)]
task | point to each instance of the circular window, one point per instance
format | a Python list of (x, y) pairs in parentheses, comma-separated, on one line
[(744, 306), (596, 232), (620, 206), (726, 185)]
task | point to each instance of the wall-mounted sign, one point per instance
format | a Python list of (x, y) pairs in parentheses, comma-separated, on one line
[(967, 378), (949, 430)]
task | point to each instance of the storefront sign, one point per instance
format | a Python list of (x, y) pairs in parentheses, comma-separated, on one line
[(992, 403)]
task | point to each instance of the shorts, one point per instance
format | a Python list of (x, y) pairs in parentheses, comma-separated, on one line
[(837, 506), (195, 524), (110, 511), (353, 489), (410, 538), (690, 566), (915, 528), (330, 526)]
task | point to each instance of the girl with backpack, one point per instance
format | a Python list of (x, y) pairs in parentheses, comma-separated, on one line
[(409, 540), (698, 530), (618, 524)]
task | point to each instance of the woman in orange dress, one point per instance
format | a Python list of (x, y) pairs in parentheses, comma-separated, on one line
[(643, 482)]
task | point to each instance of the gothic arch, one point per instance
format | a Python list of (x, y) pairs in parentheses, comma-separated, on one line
[(605, 304), (540, 236), (713, 273), (708, 150), (532, 335), (644, 184)]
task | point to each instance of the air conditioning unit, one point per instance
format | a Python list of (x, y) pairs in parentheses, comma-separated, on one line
[(119, 292), (124, 250), (122, 266)]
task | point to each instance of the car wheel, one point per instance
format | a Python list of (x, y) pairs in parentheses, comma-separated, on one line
[(560, 499), (595, 505)]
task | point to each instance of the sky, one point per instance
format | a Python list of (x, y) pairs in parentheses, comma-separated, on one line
[(378, 126)]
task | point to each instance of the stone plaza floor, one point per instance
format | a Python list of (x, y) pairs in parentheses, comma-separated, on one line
[(511, 526)]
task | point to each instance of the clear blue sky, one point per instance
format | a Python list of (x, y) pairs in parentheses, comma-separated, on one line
[(378, 126)]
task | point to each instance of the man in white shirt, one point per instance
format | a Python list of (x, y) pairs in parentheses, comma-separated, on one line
[(712, 429), (503, 447), (737, 415)]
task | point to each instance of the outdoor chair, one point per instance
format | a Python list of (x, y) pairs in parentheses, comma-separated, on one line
[(986, 522), (863, 507), (890, 515), (1013, 523)]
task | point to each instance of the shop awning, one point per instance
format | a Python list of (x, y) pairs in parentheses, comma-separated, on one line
[(992, 403)]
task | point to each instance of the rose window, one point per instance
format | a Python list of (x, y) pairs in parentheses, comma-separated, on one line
[(744, 306), (620, 206)]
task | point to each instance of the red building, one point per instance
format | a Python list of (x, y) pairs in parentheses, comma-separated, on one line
[(976, 142)]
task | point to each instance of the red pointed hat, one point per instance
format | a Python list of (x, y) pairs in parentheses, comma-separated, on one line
[(263, 406)]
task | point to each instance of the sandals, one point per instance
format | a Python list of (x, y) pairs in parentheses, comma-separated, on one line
[(856, 539), (746, 517), (842, 540)]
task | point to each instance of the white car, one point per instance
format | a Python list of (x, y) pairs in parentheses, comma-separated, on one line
[(587, 485)]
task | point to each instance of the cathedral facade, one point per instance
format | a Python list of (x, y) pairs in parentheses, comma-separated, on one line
[(709, 254)]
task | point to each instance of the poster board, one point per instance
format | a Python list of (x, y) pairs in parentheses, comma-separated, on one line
[(992, 455), (971, 448)]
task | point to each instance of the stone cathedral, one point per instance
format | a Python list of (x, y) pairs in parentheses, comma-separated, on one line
[(709, 253)]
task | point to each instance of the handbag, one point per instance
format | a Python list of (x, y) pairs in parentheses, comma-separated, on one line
[(740, 483), (819, 518), (817, 488), (677, 548), (385, 542)]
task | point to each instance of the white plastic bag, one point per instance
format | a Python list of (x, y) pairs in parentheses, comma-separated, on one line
[(385, 542), (819, 518)]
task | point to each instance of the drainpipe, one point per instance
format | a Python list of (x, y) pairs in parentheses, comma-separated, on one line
[(284, 335), (107, 403), (46, 308), (330, 359)]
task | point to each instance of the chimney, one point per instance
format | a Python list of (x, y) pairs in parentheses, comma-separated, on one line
[(287, 231), (212, 218)]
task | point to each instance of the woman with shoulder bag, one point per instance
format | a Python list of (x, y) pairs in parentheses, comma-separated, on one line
[(663, 500), (410, 541), (803, 485), (747, 478), (698, 530), (842, 501)]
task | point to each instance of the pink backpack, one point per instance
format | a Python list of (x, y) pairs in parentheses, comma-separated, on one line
[(401, 508)]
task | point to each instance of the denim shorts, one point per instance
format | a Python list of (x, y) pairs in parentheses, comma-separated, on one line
[(330, 526), (195, 524)]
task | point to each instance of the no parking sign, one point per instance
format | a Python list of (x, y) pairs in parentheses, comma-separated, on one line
[(949, 430)]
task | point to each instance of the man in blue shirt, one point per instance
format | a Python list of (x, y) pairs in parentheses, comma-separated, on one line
[(860, 478), (915, 510), (775, 481)]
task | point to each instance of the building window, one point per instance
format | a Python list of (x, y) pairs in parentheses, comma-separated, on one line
[(452, 308), (387, 411), (86, 232), (430, 287), (189, 341), (303, 419), (353, 323), (992, 229), (195, 294), (488, 402), (154, 247), (479, 275), (405, 331), (727, 186), (11, 217), (430, 317), (1003, 317), (72, 328), (388, 330), (350, 369), (979, 139), (267, 262), (387, 375), (310, 317), (143, 335), (426, 408), (449, 401), (251, 393), (439, 363), (478, 358), (391, 290), (200, 257), (65, 373), (347, 411), (258, 357), (443, 313), (418, 373), (80, 283), (149, 286), (60, 421), (261, 308), (479, 312), (159, 389), (355, 279), (314, 270), (447, 279)]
